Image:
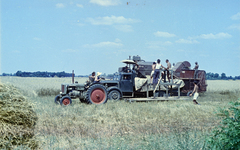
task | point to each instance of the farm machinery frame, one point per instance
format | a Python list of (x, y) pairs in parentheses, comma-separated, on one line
[(132, 83)]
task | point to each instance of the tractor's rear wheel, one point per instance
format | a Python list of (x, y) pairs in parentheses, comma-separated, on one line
[(65, 101), (114, 95), (57, 99), (96, 94)]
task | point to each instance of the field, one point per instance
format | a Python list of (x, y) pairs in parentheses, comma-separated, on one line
[(123, 125)]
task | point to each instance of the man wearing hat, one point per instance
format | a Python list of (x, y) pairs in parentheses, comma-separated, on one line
[(97, 77)]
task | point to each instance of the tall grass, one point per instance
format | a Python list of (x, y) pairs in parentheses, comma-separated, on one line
[(33, 86), (123, 125), (47, 92)]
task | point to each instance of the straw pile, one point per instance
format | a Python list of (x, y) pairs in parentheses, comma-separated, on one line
[(17, 119)]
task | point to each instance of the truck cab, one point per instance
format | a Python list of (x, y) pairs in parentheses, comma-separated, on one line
[(126, 83)]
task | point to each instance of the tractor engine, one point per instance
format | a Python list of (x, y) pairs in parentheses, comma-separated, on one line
[(73, 90)]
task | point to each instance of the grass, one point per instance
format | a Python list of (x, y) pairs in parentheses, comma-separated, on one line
[(47, 92), (223, 85), (122, 125)]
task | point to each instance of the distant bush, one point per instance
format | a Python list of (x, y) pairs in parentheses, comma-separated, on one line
[(47, 92), (43, 74), (227, 135), (216, 76)]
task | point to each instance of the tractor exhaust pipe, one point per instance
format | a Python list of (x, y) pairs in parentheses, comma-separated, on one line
[(73, 76)]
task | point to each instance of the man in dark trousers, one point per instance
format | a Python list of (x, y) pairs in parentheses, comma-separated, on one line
[(196, 69)]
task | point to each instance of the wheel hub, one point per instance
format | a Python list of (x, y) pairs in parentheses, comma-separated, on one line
[(115, 96), (66, 101), (98, 96)]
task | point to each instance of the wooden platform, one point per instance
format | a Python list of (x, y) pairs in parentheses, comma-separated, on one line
[(170, 98)]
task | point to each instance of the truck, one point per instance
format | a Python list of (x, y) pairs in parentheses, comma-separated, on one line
[(133, 81)]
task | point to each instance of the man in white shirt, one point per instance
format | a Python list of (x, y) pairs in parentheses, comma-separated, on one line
[(167, 69)]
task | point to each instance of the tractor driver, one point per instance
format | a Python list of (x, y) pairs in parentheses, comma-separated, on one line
[(92, 77)]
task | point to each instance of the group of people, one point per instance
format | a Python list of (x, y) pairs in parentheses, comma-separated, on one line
[(156, 71)]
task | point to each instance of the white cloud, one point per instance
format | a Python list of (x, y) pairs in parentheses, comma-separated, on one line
[(111, 20), (164, 34), (69, 51), (235, 26), (60, 5), (236, 16), (187, 41), (108, 44), (118, 40), (216, 36), (79, 5), (105, 44), (105, 2), (124, 28)]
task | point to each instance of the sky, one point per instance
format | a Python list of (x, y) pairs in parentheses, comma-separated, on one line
[(95, 35)]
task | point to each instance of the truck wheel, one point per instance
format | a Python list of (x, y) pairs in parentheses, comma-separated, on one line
[(66, 100), (57, 99), (96, 94), (114, 95)]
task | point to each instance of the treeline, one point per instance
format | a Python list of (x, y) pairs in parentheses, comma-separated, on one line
[(209, 75), (39, 74), (216, 76), (49, 74)]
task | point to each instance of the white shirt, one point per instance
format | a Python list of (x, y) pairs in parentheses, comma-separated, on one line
[(158, 66)]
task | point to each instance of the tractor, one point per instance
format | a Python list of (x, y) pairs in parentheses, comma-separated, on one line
[(97, 92)]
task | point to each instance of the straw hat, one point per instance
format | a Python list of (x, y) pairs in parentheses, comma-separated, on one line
[(99, 73)]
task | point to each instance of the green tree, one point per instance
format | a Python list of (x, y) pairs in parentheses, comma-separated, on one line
[(227, 135), (216, 75), (223, 76), (19, 73)]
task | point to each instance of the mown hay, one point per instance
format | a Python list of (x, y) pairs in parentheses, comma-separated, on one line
[(17, 119)]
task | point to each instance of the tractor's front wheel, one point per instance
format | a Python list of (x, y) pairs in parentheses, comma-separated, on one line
[(96, 94), (65, 101), (57, 99)]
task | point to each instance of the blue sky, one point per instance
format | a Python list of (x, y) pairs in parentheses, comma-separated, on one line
[(95, 35)]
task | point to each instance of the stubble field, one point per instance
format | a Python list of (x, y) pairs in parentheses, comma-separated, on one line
[(123, 125)]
